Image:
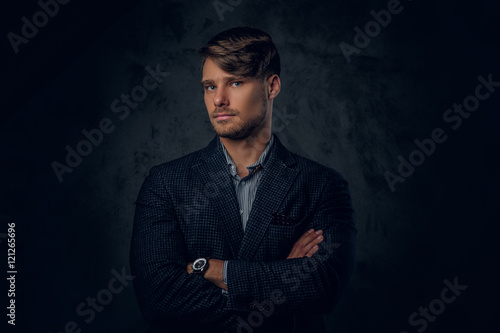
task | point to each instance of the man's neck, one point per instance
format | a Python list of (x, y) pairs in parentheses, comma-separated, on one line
[(246, 151)]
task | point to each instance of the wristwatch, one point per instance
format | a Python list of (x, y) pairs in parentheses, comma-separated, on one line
[(200, 265)]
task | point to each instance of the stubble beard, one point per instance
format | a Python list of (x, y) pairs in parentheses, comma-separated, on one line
[(240, 130)]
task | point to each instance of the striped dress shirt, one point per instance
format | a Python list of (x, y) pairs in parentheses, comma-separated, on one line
[(245, 188)]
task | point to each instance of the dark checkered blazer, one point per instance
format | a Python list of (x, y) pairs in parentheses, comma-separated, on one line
[(187, 208)]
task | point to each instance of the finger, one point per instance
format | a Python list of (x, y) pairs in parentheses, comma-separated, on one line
[(312, 251), (304, 244), (307, 238), (313, 243), (306, 234), (311, 238)]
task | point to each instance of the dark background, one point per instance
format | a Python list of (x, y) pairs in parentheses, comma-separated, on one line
[(357, 117)]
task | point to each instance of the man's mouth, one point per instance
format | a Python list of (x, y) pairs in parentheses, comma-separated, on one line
[(223, 116)]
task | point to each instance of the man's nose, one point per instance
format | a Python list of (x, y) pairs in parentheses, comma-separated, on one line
[(221, 98)]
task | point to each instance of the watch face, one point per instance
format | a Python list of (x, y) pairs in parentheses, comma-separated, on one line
[(199, 263)]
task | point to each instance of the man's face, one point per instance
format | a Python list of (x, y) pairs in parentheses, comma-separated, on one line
[(236, 105)]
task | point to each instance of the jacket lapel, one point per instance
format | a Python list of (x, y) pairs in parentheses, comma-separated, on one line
[(277, 177), (214, 176)]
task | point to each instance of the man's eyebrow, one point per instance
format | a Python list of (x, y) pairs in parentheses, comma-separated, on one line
[(226, 79)]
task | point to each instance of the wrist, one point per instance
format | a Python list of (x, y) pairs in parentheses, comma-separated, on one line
[(201, 265), (214, 273)]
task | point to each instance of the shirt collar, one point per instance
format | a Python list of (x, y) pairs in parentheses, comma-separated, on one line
[(262, 159)]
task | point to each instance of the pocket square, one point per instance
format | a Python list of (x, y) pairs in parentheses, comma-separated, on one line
[(281, 219)]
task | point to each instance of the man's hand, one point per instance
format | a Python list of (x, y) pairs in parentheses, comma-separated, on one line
[(213, 273), (307, 244)]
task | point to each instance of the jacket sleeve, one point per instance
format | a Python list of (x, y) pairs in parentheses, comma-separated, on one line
[(305, 285), (165, 291)]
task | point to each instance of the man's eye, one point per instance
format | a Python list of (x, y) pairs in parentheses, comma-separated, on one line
[(210, 88), (237, 84)]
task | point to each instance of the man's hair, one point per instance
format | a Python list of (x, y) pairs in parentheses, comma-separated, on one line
[(243, 51)]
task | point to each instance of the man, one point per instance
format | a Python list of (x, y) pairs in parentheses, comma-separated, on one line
[(243, 235)]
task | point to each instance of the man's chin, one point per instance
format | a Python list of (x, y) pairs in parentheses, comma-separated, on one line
[(232, 136), (225, 132), (235, 132)]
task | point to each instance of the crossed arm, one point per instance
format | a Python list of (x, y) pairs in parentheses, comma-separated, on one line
[(306, 246), (165, 292)]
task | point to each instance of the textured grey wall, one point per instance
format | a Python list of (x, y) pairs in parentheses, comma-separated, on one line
[(356, 116)]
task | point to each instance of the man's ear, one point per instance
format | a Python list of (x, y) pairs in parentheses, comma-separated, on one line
[(273, 86)]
